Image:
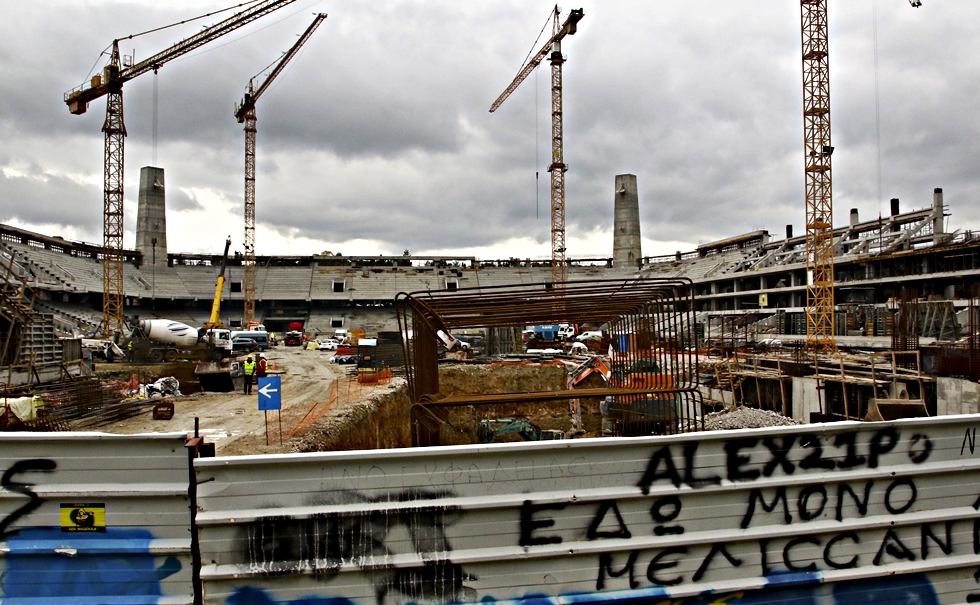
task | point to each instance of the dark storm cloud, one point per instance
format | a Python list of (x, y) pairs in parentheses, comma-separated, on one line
[(379, 129)]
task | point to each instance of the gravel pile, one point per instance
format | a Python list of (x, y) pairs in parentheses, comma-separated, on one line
[(744, 418)]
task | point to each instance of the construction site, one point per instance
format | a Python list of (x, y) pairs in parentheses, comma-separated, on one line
[(876, 319)]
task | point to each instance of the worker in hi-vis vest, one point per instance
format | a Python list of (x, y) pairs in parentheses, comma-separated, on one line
[(249, 374)]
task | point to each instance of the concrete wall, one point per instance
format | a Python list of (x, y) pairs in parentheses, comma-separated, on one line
[(806, 398), (957, 396), (725, 397)]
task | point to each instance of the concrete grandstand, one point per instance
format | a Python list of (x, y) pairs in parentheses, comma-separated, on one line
[(746, 273)]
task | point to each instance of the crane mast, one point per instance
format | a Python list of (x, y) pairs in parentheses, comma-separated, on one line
[(818, 177), (110, 84), (114, 130), (557, 168), (245, 113)]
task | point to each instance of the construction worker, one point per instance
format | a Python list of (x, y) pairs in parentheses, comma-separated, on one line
[(262, 365), (129, 351), (249, 373), (272, 338)]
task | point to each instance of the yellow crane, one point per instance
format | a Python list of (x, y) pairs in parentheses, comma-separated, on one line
[(215, 320), (245, 113), (818, 176), (109, 84), (557, 168)]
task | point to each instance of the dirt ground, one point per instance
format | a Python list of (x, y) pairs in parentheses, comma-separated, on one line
[(233, 422), (349, 415)]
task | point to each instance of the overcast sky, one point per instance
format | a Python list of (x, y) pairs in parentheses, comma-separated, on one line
[(377, 138)]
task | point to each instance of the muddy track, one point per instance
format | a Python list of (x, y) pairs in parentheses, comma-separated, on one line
[(232, 420)]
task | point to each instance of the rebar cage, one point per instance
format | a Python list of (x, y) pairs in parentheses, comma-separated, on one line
[(652, 347)]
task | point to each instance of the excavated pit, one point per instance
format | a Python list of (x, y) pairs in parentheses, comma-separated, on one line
[(383, 419)]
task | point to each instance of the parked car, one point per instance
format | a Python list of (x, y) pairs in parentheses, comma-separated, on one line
[(260, 338), (243, 344), (328, 345)]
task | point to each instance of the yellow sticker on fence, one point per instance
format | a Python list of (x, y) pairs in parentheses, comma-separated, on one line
[(83, 517)]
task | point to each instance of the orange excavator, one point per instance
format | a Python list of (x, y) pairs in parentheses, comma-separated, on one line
[(627, 410)]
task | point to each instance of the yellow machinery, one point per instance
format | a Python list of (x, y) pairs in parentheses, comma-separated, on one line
[(215, 320)]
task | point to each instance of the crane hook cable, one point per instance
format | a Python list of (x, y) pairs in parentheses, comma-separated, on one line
[(107, 48), (150, 31), (534, 46), (232, 41)]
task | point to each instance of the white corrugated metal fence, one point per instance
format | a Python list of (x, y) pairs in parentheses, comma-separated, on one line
[(834, 513), (94, 519)]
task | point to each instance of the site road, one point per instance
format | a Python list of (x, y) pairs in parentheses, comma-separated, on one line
[(232, 421)]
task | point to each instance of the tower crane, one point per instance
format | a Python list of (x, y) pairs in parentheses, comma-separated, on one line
[(818, 176), (552, 50), (817, 171), (245, 113), (110, 84)]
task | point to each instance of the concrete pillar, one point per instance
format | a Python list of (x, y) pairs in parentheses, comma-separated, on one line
[(796, 298), (626, 227), (937, 215), (151, 217), (896, 210)]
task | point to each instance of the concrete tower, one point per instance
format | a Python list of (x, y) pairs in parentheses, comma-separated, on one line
[(626, 226), (151, 217)]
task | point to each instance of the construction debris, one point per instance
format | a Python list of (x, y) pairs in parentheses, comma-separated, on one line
[(738, 417)]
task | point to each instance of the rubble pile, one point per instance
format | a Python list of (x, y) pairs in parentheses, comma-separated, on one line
[(738, 417)]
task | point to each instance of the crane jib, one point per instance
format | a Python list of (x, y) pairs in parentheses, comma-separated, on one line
[(77, 99), (568, 28)]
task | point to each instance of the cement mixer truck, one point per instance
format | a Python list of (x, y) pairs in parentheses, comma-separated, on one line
[(169, 332)]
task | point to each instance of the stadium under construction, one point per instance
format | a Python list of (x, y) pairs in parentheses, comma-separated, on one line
[(906, 297)]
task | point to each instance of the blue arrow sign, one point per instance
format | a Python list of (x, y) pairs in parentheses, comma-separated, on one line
[(270, 393)]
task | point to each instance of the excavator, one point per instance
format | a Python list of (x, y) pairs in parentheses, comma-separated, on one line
[(630, 414), (489, 430)]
